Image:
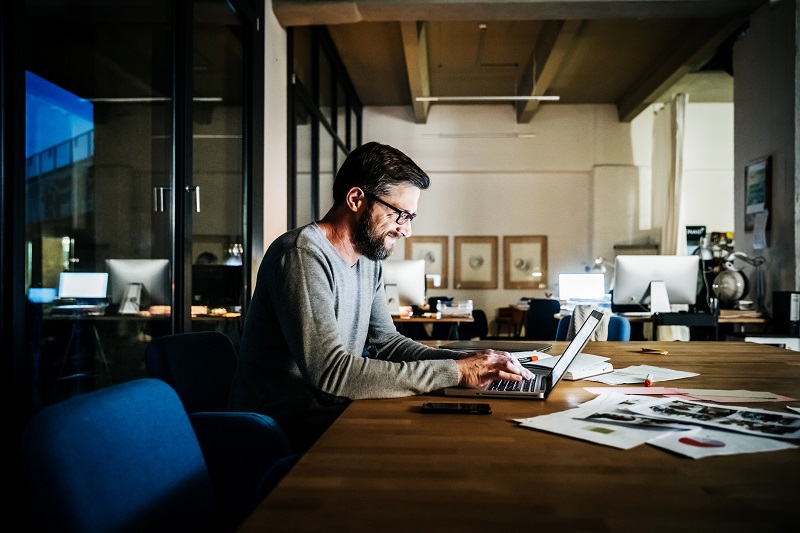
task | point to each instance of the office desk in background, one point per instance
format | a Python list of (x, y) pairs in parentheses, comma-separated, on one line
[(383, 466), (93, 350), (452, 321)]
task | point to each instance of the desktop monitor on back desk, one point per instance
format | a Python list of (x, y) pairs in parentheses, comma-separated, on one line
[(644, 282), (405, 281), (217, 286), (137, 284)]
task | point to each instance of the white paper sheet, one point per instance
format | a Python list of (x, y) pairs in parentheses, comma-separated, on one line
[(706, 442), (638, 373), (572, 423), (758, 422)]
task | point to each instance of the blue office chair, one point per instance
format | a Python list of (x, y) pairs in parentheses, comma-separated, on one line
[(127, 458), (619, 328), (563, 328), (199, 366)]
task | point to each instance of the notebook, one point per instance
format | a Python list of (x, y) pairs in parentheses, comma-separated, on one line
[(544, 379)]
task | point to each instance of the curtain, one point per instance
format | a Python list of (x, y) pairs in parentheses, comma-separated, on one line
[(668, 137)]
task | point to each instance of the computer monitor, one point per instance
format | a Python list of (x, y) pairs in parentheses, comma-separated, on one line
[(139, 283), (408, 276), (217, 286), (634, 277), (591, 286)]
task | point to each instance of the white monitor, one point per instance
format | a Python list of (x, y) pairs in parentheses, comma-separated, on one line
[(409, 278), (633, 275), (590, 286), (152, 275)]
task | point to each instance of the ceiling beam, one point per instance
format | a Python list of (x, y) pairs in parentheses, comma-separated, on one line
[(415, 48), (688, 55), (548, 54), (323, 12)]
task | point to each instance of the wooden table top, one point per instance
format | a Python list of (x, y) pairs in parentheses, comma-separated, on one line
[(383, 466)]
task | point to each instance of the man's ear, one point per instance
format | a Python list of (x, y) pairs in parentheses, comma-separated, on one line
[(354, 198)]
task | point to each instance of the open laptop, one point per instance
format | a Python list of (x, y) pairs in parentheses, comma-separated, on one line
[(81, 292), (544, 379)]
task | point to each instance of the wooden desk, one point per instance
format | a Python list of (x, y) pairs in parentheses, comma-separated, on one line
[(454, 321), (383, 466)]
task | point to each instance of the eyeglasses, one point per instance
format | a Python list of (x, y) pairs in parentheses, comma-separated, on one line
[(402, 215)]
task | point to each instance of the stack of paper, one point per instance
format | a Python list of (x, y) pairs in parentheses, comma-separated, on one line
[(584, 365)]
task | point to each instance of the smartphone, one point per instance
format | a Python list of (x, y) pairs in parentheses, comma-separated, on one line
[(456, 408)]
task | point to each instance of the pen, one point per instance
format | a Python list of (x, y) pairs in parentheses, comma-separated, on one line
[(648, 380)]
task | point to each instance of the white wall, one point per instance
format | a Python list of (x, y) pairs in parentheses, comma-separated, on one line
[(575, 174)]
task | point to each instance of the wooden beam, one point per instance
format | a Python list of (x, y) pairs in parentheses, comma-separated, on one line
[(687, 55), (415, 47), (548, 55)]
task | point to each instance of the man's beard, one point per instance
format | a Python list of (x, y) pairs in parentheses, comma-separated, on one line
[(367, 242)]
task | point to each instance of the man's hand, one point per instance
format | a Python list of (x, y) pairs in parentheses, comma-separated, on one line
[(479, 369)]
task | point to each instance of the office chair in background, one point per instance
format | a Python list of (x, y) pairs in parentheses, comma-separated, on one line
[(619, 328), (199, 366), (540, 320), (479, 328), (127, 458)]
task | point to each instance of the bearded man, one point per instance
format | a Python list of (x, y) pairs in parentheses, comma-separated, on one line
[(319, 301)]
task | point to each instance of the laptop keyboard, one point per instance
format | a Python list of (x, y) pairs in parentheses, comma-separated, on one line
[(535, 384)]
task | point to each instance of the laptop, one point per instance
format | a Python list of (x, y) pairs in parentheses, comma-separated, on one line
[(502, 345), (81, 292), (544, 379)]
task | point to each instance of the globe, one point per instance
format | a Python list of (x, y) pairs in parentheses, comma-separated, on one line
[(729, 286)]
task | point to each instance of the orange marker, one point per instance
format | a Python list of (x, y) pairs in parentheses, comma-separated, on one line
[(648, 380)]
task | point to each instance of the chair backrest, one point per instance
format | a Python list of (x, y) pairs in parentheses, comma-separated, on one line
[(619, 328), (199, 366), (540, 320), (479, 328), (123, 458), (563, 328)]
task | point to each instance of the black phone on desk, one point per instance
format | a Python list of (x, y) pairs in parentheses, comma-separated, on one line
[(456, 408)]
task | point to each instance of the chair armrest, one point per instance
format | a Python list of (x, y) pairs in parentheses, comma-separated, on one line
[(239, 449)]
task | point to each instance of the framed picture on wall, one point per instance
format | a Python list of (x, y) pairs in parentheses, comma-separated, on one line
[(433, 249), (757, 190), (475, 263), (525, 262)]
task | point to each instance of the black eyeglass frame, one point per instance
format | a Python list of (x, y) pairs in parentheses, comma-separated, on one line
[(403, 216)]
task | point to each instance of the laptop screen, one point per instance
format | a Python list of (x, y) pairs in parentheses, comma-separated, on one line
[(82, 284), (577, 344)]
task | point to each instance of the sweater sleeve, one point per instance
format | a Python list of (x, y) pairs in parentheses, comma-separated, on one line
[(326, 310)]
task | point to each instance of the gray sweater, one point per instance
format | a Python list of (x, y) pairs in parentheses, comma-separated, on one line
[(301, 358)]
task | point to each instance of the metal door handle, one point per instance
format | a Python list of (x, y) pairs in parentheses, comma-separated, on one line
[(158, 197), (196, 190)]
